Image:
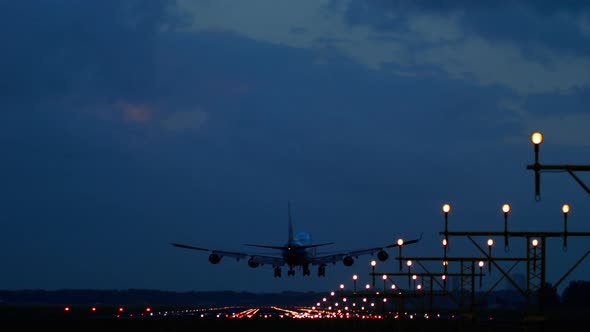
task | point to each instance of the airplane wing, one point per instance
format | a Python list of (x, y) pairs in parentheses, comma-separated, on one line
[(339, 256), (235, 254), (254, 258), (286, 248), (397, 244)]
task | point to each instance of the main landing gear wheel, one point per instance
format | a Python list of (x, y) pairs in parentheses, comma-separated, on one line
[(306, 271), (322, 270), (291, 272)]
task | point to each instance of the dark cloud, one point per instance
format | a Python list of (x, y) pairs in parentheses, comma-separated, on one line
[(65, 48), (531, 24), (542, 6)]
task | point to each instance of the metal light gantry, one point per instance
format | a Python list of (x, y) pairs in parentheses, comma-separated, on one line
[(535, 258), (537, 139)]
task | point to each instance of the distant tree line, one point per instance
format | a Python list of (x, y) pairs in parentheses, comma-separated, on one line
[(152, 297), (574, 296)]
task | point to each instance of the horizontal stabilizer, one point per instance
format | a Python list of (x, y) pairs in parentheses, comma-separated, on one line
[(287, 248)]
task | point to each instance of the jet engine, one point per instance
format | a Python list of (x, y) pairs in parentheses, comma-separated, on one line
[(214, 258), (382, 255), (252, 263), (347, 260)]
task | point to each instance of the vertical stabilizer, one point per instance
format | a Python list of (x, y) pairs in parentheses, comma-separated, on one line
[(291, 237)]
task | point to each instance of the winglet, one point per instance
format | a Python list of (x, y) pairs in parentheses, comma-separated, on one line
[(405, 242)]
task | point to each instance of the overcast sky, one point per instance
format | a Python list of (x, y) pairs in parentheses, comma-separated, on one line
[(127, 125)]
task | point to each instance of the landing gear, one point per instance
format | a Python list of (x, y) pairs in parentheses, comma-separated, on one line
[(291, 272), (322, 270), (306, 271), (277, 272)]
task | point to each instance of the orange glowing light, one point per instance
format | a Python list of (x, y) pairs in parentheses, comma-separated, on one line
[(446, 208), (537, 138), (506, 208)]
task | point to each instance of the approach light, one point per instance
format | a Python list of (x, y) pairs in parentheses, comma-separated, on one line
[(537, 138), (506, 208), (565, 209), (446, 208)]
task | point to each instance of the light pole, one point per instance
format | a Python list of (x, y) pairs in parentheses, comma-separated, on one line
[(373, 263), (400, 243), (354, 278), (535, 243), (480, 264), (537, 139), (446, 209), (384, 282), (490, 245), (409, 264), (506, 210), (565, 209)]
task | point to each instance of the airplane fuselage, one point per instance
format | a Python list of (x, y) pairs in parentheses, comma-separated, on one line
[(296, 254)]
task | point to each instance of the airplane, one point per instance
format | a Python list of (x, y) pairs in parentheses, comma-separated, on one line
[(298, 252)]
